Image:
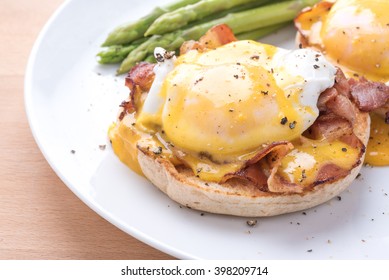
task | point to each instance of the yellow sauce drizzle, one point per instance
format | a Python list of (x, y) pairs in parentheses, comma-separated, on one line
[(302, 165), (377, 152)]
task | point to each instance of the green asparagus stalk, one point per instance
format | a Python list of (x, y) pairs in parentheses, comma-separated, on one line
[(118, 53), (115, 54), (182, 16), (150, 59), (260, 32), (169, 41), (239, 22), (223, 13), (254, 18), (127, 33)]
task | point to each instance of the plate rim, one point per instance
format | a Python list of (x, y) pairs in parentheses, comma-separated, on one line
[(28, 95), (146, 238)]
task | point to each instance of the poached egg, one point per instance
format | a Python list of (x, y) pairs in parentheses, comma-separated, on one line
[(354, 35), (237, 97), (218, 108)]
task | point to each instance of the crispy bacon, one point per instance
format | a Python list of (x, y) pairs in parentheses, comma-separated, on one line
[(278, 184), (369, 95), (127, 107), (343, 107), (336, 100), (274, 152), (141, 75), (342, 85), (217, 36), (138, 80), (325, 97), (330, 172), (254, 174), (329, 127)]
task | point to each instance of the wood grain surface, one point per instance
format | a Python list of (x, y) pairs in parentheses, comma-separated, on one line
[(40, 218)]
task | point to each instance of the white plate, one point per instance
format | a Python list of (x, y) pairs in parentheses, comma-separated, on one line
[(71, 101)]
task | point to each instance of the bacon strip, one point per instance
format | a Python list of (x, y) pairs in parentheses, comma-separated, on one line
[(278, 184), (275, 152), (342, 85), (369, 95), (252, 173), (337, 100), (343, 107), (141, 75), (330, 172), (217, 36), (138, 80), (329, 127)]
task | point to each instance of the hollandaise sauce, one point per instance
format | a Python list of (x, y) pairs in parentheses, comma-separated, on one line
[(124, 141), (303, 164), (377, 152)]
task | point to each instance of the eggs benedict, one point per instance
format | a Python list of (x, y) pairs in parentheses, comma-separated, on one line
[(354, 35), (241, 128)]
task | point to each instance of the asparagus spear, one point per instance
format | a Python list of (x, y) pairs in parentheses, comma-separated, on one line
[(239, 22), (127, 33), (182, 16), (150, 59), (260, 32), (115, 54), (254, 18), (118, 53)]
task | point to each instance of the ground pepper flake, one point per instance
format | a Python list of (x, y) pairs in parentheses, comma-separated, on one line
[(157, 151), (292, 125)]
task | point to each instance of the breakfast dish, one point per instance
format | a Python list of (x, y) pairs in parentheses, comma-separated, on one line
[(240, 127), (352, 225), (354, 35)]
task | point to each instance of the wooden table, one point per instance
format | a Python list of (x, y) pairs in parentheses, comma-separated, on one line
[(40, 218)]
